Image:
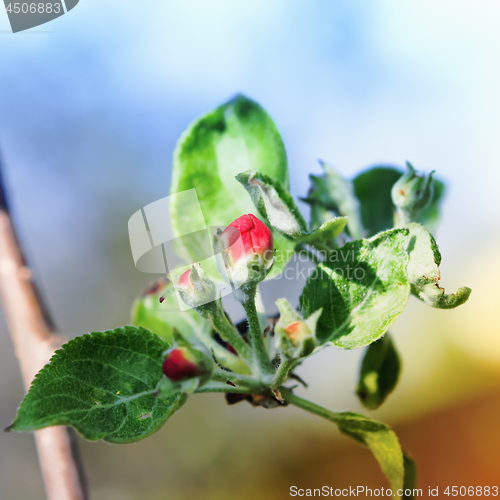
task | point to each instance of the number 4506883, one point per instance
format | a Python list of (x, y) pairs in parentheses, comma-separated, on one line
[(33, 8), (471, 491)]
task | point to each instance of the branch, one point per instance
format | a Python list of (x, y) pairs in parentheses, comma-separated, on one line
[(31, 330)]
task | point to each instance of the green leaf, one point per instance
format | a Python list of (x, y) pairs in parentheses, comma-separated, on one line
[(237, 136), (379, 374), (424, 274), (274, 203), (334, 193), (162, 318), (361, 287), (410, 481), (276, 206), (144, 315), (319, 214), (101, 384), (328, 231), (373, 189), (381, 440)]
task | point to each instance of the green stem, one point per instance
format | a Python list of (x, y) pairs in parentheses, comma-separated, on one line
[(402, 218), (297, 401), (225, 358), (224, 388), (261, 309), (284, 369), (228, 332), (256, 337), (242, 380)]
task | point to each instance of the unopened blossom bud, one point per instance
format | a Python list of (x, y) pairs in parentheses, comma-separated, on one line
[(247, 248), (185, 282), (181, 364), (410, 194), (195, 288), (297, 331), (295, 336)]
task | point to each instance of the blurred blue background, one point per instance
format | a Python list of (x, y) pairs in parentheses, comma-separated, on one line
[(91, 106)]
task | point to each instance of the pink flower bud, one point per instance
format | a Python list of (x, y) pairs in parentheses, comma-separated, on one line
[(256, 237), (295, 336), (179, 365), (195, 288), (297, 331), (185, 282), (248, 246)]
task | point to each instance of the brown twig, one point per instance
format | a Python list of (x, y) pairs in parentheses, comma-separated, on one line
[(34, 342)]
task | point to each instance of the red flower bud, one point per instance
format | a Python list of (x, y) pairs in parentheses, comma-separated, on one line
[(248, 244), (180, 365), (256, 236)]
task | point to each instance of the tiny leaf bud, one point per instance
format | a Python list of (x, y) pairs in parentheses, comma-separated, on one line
[(410, 194)]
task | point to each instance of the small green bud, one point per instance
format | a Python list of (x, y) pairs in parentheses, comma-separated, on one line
[(410, 194), (295, 336)]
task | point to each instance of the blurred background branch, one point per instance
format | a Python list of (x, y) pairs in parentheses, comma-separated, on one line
[(31, 330)]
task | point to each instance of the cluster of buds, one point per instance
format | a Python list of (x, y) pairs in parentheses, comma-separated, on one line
[(411, 193), (295, 336), (245, 250), (245, 257)]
